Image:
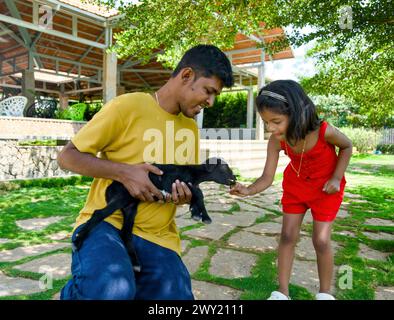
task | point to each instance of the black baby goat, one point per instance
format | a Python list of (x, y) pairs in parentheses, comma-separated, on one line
[(117, 197)]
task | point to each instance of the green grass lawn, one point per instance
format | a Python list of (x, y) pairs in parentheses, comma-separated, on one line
[(371, 177)]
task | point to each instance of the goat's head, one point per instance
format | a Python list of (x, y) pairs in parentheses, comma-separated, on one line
[(219, 171)]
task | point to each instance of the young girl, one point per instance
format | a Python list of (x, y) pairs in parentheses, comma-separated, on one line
[(313, 179)]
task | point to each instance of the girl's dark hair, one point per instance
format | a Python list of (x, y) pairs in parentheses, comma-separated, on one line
[(299, 108)]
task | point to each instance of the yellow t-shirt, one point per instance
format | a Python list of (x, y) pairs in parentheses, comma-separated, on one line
[(133, 128)]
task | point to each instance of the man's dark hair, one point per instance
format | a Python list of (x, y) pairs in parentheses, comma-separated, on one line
[(207, 61)]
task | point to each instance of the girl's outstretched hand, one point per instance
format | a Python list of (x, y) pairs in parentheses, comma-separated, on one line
[(239, 190)]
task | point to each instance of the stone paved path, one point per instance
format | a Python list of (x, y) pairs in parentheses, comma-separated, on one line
[(239, 238)]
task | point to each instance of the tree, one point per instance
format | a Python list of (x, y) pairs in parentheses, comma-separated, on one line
[(355, 39), (365, 79), (175, 25)]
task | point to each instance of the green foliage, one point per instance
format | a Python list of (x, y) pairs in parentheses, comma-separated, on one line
[(38, 143), (44, 182), (337, 110), (92, 109), (177, 25), (228, 111), (361, 76), (385, 148), (363, 140), (75, 112), (354, 40)]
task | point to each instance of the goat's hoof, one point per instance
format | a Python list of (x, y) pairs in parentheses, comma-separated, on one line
[(207, 221), (197, 218)]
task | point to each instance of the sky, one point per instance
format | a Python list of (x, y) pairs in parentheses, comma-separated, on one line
[(292, 69)]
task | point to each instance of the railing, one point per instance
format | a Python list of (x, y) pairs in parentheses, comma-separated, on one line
[(388, 136)]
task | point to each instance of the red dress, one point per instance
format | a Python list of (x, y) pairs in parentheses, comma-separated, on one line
[(306, 191)]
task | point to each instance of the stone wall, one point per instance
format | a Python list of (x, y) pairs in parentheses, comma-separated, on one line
[(25, 162)]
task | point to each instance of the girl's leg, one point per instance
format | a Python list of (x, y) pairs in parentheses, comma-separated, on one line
[(325, 263), (288, 239)]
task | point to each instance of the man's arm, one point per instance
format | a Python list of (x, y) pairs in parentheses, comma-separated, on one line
[(134, 177)]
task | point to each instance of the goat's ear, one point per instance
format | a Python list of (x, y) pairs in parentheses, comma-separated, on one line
[(213, 161)]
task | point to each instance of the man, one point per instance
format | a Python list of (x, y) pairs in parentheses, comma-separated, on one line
[(130, 131)]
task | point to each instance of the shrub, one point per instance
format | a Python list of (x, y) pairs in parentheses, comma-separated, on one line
[(92, 109), (44, 182), (338, 111), (74, 112), (229, 111), (363, 140), (385, 148)]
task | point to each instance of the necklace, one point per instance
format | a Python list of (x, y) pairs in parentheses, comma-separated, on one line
[(302, 155), (157, 98)]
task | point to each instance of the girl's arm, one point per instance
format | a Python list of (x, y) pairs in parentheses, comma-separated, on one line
[(268, 175), (337, 138)]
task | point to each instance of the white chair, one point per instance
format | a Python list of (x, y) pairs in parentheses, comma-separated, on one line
[(13, 106)]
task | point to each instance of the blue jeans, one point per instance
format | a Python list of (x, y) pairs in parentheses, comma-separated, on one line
[(102, 270)]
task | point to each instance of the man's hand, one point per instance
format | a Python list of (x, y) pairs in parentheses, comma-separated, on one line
[(181, 193), (136, 180)]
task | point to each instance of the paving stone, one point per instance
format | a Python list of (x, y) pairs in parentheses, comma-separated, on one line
[(345, 204), (184, 221), (208, 291), (207, 185), (240, 219), (10, 286), (346, 233), (22, 252), (304, 274), (308, 218), (232, 264), (4, 240), (384, 293), (212, 231), (352, 195), (218, 207), (379, 236), (379, 222), (62, 235), (182, 210), (37, 224), (194, 258), (57, 265), (184, 244), (248, 240), (248, 207), (266, 227), (56, 296), (372, 254), (342, 214), (359, 201), (306, 250)]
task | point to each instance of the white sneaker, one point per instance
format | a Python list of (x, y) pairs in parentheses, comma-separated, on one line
[(324, 296), (276, 295)]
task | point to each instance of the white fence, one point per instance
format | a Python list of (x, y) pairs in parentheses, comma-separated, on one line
[(388, 136)]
